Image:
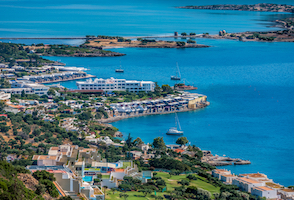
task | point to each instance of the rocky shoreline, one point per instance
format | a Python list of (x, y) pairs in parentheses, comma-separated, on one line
[(112, 54), (269, 36), (70, 51), (261, 7), (108, 42), (187, 46), (286, 35)]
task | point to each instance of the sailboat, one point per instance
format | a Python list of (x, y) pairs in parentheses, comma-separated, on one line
[(120, 70), (176, 77), (174, 130)]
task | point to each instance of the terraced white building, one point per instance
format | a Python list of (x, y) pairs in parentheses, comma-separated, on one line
[(113, 84)]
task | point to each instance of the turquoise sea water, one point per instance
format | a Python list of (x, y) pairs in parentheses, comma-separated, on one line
[(31, 18), (250, 85)]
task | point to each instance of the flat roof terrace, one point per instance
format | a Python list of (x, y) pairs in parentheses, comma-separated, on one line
[(254, 175), (247, 180), (263, 188)]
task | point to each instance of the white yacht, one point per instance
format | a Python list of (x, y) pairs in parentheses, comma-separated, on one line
[(120, 70), (174, 130)]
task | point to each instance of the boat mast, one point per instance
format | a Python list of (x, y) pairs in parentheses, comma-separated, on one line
[(178, 121), (178, 70)]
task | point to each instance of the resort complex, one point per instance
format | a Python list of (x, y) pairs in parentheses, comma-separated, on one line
[(256, 183), (112, 84), (135, 127), (182, 102), (64, 134)]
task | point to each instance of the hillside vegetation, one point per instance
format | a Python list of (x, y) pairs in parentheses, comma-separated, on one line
[(11, 187)]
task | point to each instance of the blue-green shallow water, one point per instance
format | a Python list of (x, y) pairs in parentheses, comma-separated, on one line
[(249, 85)]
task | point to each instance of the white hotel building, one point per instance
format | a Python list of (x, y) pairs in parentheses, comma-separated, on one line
[(113, 84)]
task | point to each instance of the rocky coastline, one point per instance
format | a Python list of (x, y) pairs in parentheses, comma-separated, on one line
[(261, 7), (110, 42), (70, 51), (258, 36), (111, 54), (287, 24)]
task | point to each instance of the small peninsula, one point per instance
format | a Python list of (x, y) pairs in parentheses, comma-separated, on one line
[(71, 51), (261, 7), (287, 24), (105, 42), (269, 36)]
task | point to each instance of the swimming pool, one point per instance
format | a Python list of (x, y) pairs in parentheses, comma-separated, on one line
[(88, 178)]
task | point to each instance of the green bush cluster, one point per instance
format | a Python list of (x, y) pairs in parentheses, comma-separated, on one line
[(11, 187), (45, 178)]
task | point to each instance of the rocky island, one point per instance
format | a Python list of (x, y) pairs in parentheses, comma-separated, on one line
[(261, 7), (105, 42)]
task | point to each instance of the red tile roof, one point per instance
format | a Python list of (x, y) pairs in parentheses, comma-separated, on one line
[(179, 150)]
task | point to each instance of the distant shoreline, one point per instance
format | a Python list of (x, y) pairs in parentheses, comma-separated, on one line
[(43, 38), (261, 7)]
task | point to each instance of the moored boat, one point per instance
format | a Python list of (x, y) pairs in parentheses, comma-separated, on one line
[(178, 76), (182, 86), (120, 70)]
